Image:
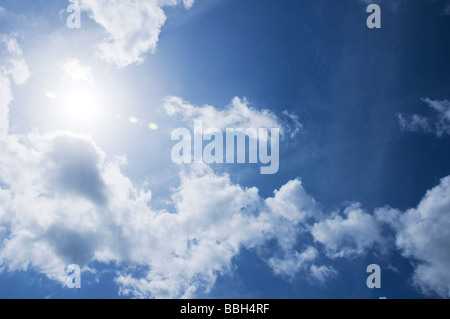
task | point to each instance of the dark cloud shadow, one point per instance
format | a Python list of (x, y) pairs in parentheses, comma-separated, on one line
[(75, 167)]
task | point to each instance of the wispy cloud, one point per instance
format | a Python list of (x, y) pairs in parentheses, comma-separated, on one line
[(438, 123), (447, 8), (239, 113)]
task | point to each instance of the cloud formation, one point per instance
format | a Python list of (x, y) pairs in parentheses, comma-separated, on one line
[(438, 123), (132, 27), (75, 72), (238, 114), (13, 68), (423, 235), (64, 201), (347, 237)]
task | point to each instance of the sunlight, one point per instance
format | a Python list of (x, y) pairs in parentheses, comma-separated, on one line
[(79, 104)]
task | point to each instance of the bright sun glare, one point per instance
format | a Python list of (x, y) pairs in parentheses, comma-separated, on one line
[(79, 104)]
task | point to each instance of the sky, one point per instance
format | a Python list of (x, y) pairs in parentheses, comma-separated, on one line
[(87, 174)]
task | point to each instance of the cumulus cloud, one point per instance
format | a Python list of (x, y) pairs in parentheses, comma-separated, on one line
[(238, 114), (63, 201), (303, 262), (438, 123), (350, 236), (212, 226), (132, 27), (66, 204), (423, 235)]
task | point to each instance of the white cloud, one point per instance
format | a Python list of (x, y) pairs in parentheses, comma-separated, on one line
[(214, 220), (322, 273), (5, 98), (296, 262), (13, 68), (132, 27), (64, 203), (188, 3), (11, 44), (19, 71), (438, 123), (48, 212), (68, 205), (238, 114), (350, 236), (423, 234), (74, 71)]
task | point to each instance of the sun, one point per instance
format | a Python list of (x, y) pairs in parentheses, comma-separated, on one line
[(80, 104)]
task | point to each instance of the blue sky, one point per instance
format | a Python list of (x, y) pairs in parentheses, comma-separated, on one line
[(85, 179)]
